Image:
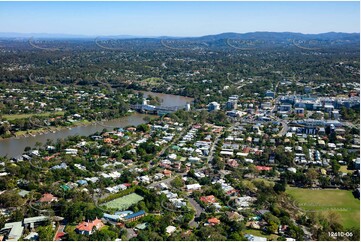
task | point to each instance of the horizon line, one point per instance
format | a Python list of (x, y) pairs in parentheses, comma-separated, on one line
[(9, 34)]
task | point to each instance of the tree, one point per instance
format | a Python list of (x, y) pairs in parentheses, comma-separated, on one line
[(279, 187), (312, 174), (272, 227), (235, 236), (335, 166), (10, 199), (45, 233), (105, 234), (220, 164), (211, 233), (146, 235), (17, 215), (2, 220), (271, 219), (73, 236), (282, 157), (143, 128), (177, 182)]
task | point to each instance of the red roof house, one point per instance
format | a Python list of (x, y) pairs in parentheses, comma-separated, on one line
[(208, 199), (59, 235), (232, 163), (48, 198), (167, 173), (263, 168), (246, 150), (88, 228), (214, 221)]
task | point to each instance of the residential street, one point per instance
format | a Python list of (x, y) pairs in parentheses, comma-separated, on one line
[(198, 210)]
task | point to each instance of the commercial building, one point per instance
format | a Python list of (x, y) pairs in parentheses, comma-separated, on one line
[(134, 216)]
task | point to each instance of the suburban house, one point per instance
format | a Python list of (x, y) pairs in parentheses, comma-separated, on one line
[(214, 221), (232, 163), (170, 229), (193, 187), (208, 199), (167, 173), (263, 168), (48, 198), (88, 228)]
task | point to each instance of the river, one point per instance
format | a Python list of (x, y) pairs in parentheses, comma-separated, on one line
[(13, 147)]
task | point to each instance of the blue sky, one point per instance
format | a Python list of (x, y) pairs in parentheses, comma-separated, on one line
[(177, 18)]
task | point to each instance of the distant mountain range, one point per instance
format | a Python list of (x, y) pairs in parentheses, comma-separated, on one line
[(63, 36), (275, 36), (280, 36)]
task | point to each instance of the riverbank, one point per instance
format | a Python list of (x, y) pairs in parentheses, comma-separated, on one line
[(14, 146), (54, 129), (49, 129)]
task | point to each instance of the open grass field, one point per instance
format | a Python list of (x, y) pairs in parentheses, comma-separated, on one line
[(344, 169), (151, 80), (326, 200), (27, 115), (124, 202)]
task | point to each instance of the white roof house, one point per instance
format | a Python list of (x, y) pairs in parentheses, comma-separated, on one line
[(170, 229), (172, 156), (195, 186), (194, 159)]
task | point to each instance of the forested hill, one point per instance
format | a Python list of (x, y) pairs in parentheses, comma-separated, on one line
[(282, 36)]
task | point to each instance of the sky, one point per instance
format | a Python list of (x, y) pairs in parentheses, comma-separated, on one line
[(177, 18)]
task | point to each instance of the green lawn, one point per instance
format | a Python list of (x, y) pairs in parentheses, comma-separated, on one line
[(344, 169), (326, 200), (124, 202), (27, 115), (151, 80)]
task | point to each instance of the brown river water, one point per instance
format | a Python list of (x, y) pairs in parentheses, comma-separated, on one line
[(13, 147)]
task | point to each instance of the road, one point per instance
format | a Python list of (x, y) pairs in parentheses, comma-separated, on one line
[(283, 122), (198, 210), (284, 128), (210, 155)]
